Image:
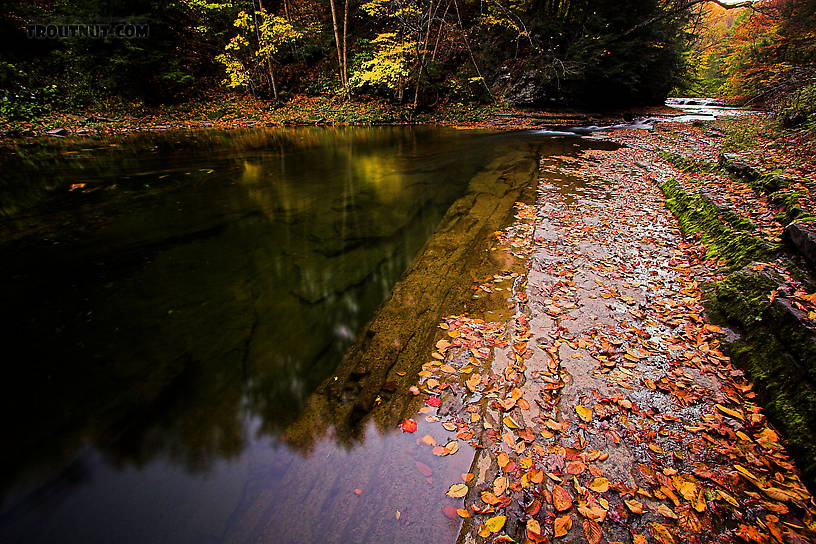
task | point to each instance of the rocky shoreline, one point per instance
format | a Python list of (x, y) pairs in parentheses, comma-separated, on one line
[(628, 399)]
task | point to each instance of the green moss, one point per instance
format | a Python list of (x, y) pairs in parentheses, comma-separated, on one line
[(770, 182), (777, 349), (725, 233), (778, 354), (789, 203), (689, 164)]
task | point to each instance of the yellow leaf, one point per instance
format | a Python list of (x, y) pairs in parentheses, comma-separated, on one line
[(533, 529), (495, 524), (503, 460), (584, 413), (457, 491), (511, 423), (452, 447), (698, 502), (685, 487), (730, 412), (462, 513), (599, 485), (655, 448), (728, 498)]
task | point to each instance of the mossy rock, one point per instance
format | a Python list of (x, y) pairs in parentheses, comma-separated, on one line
[(777, 352), (725, 233), (689, 164)]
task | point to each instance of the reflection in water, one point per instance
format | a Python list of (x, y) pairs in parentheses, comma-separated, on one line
[(171, 303)]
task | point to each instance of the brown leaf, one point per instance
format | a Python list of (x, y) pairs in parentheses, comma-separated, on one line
[(662, 534), (500, 485), (592, 531), (634, 506)]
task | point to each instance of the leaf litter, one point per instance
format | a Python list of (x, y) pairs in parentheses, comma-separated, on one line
[(605, 407)]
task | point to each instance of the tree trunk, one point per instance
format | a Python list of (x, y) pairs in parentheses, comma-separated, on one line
[(425, 45), (268, 59), (345, 50), (337, 43)]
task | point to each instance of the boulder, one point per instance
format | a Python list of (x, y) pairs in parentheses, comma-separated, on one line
[(735, 167), (794, 119), (526, 91), (58, 132), (802, 235)]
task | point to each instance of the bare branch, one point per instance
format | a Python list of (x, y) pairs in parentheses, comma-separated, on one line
[(751, 4)]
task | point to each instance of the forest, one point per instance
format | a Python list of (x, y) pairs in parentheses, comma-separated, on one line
[(419, 54), (408, 271)]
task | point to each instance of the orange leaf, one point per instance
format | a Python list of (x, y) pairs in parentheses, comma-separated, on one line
[(562, 525), (662, 534), (592, 531), (562, 500)]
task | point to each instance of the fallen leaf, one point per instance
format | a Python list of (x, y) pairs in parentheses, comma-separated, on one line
[(424, 469), (500, 485), (599, 485), (730, 412), (592, 531), (584, 413), (534, 531), (510, 422), (495, 524), (457, 491), (634, 506), (562, 500), (562, 525), (664, 510), (409, 426), (662, 534)]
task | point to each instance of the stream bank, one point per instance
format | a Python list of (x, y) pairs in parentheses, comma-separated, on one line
[(652, 384)]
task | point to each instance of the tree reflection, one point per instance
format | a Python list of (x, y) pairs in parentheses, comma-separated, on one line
[(197, 280)]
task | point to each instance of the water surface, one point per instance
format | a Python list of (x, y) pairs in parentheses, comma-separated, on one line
[(170, 303)]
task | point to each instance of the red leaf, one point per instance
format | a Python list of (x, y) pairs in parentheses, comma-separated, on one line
[(409, 426)]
